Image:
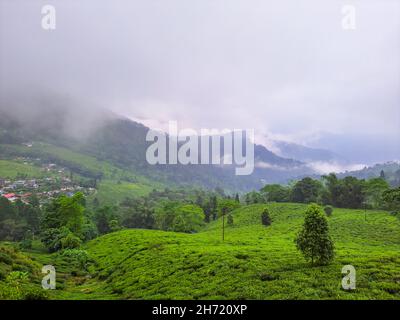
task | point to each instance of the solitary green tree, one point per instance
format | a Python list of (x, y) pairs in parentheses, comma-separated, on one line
[(314, 240), (265, 218), (225, 207), (223, 214), (213, 206)]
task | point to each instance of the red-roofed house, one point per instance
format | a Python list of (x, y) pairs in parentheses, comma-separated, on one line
[(11, 196)]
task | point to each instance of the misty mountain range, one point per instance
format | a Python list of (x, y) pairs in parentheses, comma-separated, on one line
[(206, 67), (121, 141), (305, 154)]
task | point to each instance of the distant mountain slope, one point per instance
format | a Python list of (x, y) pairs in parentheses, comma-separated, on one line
[(305, 154), (121, 142), (391, 172)]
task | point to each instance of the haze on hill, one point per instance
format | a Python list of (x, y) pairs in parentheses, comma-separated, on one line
[(286, 69)]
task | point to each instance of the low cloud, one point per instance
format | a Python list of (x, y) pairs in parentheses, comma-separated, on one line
[(322, 167), (265, 65), (266, 165)]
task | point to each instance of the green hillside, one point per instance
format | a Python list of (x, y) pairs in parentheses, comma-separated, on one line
[(74, 160), (12, 169), (112, 192), (254, 261)]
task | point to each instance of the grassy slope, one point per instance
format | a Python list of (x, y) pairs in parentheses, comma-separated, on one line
[(110, 192), (11, 169), (254, 262)]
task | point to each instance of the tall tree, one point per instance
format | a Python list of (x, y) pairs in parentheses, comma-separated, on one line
[(306, 190), (314, 240), (199, 201), (103, 217), (226, 206), (351, 194), (276, 192), (331, 194), (237, 198), (65, 212), (213, 206), (265, 217), (374, 189), (188, 218), (391, 199)]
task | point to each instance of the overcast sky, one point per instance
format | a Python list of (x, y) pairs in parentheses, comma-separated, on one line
[(285, 68)]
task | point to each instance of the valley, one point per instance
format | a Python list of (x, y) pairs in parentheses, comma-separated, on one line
[(211, 151), (140, 231)]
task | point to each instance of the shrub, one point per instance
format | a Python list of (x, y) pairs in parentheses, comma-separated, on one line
[(17, 277), (8, 292), (81, 257), (5, 258), (328, 210), (56, 239), (20, 267), (16, 287), (265, 218), (230, 220), (314, 240), (26, 244), (114, 225), (34, 294), (71, 241), (51, 238), (89, 231)]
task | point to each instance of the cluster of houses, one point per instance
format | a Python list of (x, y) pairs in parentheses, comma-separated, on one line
[(58, 181), (18, 184), (14, 197), (44, 189), (12, 190)]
